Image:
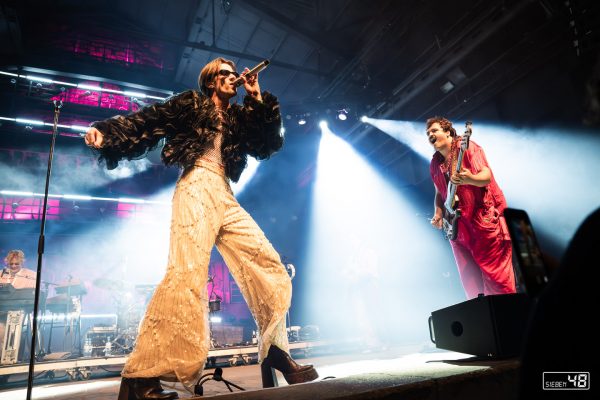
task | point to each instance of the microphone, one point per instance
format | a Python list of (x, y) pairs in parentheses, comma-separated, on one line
[(240, 81), (291, 270)]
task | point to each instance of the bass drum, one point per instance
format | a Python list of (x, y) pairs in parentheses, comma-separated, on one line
[(214, 306)]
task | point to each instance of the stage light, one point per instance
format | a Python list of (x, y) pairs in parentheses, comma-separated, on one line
[(79, 128), (301, 121), (361, 206), (138, 102), (247, 175), (89, 87), (342, 114), (447, 87), (134, 94), (156, 97), (323, 124), (364, 118), (412, 134), (76, 197), (38, 79), (82, 197), (15, 193), (29, 121), (130, 200)]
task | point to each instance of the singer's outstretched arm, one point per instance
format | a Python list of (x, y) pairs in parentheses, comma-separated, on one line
[(131, 136)]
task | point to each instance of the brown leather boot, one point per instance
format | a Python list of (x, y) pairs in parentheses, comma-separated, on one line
[(292, 371), (144, 388)]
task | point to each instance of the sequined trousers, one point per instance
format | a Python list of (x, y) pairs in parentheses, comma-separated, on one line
[(173, 339)]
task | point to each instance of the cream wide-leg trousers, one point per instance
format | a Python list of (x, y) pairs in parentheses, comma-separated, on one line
[(173, 340)]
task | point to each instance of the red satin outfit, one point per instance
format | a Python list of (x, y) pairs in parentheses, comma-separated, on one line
[(482, 249)]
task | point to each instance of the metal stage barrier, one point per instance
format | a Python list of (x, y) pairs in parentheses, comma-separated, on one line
[(82, 368)]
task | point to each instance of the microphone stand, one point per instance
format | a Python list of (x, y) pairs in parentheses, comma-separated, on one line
[(38, 279), (216, 376), (291, 270)]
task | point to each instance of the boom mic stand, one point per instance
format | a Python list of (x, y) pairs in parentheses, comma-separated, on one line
[(38, 279)]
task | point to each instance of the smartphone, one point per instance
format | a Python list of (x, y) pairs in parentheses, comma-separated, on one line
[(530, 270)]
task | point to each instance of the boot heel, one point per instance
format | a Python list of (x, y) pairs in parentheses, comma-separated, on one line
[(269, 379), (309, 374)]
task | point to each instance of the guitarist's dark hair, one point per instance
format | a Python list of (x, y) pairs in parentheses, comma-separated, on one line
[(444, 124)]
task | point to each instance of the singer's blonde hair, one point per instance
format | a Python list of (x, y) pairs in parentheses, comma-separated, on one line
[(209, 72), (18, 254)]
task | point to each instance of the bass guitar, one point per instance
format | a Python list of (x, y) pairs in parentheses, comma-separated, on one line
[(451, 211)]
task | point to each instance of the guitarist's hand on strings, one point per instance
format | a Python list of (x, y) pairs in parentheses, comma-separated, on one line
[(464, 177)]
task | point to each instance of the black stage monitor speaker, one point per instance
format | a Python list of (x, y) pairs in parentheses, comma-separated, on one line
[(487, 326)]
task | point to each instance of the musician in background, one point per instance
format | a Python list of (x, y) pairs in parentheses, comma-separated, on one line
[(14, 272), (16, 275), (482, 249)]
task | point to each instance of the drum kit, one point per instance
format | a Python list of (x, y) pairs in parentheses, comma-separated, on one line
[(64, 310), (130, 301), (118, 336)]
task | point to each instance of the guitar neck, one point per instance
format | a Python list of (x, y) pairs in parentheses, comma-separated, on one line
[(451, 203), (459, 161), (451, 195)]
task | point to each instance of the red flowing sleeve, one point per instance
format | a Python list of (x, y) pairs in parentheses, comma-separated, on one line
[(475, 158)]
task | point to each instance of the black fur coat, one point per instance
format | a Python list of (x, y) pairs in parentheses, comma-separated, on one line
[(188, 122)]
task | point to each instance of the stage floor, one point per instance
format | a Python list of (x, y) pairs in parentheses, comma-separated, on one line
[(356, 372)]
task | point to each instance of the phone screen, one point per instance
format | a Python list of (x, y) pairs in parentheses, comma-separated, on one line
[(531, 272)]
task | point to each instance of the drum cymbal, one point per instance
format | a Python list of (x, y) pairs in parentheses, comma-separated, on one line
[(111, 284), (72, 287)]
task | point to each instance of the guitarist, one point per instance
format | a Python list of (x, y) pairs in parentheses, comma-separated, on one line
[(482, 247)]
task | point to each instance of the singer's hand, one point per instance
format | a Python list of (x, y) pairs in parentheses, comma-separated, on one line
[(94, 138), (251, 84)]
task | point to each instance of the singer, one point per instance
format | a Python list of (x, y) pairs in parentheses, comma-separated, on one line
[(210, 139)]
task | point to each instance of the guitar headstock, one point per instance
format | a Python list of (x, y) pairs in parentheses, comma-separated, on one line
[(467, 135)]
